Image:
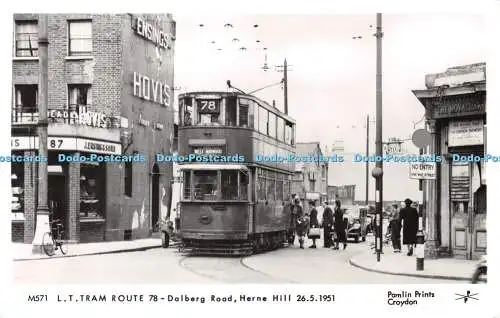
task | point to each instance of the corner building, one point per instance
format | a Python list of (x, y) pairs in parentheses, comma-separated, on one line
[(110, 92), (455, 201)]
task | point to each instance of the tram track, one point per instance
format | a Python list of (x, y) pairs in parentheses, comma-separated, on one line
[(228, 270)]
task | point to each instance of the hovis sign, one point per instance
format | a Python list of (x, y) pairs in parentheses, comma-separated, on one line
[(423, 170)]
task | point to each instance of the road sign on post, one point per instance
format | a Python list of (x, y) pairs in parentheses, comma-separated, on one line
[(423, 170)]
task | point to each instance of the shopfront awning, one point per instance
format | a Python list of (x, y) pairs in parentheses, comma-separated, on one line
[(201, 166)]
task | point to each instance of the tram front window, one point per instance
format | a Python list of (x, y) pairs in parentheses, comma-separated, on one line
[(229, 185), (208, 119), (205, 185)]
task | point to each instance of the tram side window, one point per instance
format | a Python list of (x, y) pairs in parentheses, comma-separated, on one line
[(263, 120), (254, 115), (271, 182), (187, 110), (286, 189), (229, 185), (187, 185), (281, 129), (288, 133), (244, 115), (231, 111), (261, 192), (272, 125), (243, 186), (279, 188), (205, 185)]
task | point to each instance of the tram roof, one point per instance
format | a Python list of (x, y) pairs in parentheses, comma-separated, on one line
[(204, 166), (225, 94)]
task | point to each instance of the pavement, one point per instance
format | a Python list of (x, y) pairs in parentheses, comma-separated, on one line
[(402, 265), (23, 252)]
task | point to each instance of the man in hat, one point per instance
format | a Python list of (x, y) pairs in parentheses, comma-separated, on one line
[(409, 216)]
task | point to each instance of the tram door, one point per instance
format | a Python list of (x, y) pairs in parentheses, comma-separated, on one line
[(468, 210)]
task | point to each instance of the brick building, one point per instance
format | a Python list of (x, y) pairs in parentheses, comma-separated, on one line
[(455, 201), (310, 179), (110, 93)]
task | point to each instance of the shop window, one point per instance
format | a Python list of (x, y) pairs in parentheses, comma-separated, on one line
[(80, 38), (231, 111), (128, 179), (244, 115), (26, 38), (205, 185), (187, 185), (229, 185), (244, 186), (480, 200), (92, 190), (17, 184), (78, 97)]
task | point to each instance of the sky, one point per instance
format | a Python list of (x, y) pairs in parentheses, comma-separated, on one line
[(331, 82)]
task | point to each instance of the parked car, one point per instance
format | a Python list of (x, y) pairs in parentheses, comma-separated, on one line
[(357, 222), (480, 273)]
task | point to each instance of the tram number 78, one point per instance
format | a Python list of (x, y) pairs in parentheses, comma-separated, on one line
[(208, 105)]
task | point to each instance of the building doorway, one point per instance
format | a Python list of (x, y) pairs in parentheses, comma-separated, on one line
[(57, 199), (155, 198)]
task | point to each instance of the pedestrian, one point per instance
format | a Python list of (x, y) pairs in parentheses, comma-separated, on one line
[(302, 222), (409, 217), (327, 224), (291, 207), (395, 226), (339, 226), (313, 224)]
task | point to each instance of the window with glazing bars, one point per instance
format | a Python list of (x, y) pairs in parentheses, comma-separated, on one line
[(26, 38), (80, 38)]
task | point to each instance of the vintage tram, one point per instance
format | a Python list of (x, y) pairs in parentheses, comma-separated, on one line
[(235, 189)]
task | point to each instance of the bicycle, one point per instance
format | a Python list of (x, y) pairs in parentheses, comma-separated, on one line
[(53, 243)]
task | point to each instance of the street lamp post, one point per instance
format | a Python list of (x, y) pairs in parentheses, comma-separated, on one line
[(42, 225), (367, 161), (379, 165)]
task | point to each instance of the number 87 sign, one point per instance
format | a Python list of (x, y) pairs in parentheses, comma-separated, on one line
[(208, 106)]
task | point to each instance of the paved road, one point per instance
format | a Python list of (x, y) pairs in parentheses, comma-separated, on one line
[(164, 266)]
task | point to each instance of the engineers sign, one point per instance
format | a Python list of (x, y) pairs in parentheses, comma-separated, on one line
[(423, 170)]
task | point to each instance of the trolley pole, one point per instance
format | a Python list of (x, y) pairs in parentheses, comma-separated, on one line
[(42, 225), (367, 165), (285, 86), (379, 165)]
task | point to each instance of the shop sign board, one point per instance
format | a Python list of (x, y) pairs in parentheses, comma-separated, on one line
[(423, 170), (24, 143), (466, 133), (96, 146)]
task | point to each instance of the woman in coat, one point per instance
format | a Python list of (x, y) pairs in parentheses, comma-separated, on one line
[(313, 222), (409, 217), (327, 225)]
